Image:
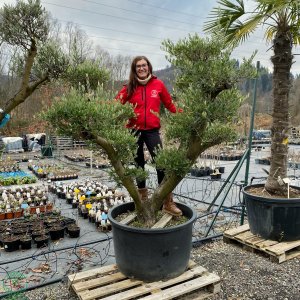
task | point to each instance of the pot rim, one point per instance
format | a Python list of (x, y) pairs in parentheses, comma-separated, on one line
[(271, 200), (151, 230)]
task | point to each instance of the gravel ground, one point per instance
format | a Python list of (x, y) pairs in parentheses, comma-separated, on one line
[(244, 276)]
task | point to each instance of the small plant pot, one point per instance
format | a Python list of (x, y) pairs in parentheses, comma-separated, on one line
[(221, 169), (215, 176), (26, 243), (73, 231), (42, 208), (85, 214), (69, 200), (92, 219), (49, 206), (208, 171), (57, 233), (18, 214), (32, 209), (42, 241), (9, 215), (11, 243), (79, 210), (193, 172), (74, 204)]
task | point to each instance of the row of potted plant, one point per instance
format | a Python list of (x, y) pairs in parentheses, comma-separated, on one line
[(14, 211), (16, 202), (52, 172), (9, 166), (202, 171), (24, 232), (86, 189), (19, 180), (92, 198)]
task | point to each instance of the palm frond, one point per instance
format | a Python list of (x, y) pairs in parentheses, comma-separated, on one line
[(224, 15), (270, 33), (229, 18)]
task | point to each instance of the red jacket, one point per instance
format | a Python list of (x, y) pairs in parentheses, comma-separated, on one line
[(146, 100)]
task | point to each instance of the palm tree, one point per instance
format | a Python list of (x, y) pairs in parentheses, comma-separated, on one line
[(281, 20)]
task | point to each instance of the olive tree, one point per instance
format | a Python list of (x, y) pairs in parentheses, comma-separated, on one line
[(25, 27), (206, 89)]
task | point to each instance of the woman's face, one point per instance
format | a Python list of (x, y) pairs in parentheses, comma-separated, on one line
[(142, 69)]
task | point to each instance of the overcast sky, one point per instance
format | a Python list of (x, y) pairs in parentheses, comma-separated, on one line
[(135, 27)]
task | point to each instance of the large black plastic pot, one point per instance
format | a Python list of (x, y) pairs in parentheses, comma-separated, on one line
[(273, 218), (152, 254)]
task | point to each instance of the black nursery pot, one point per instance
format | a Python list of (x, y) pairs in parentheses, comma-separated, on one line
[(42, 241), (273, 218), (152, 254), (221, 169), (25, 243), (57, 233), (11, 244), (74, 231)]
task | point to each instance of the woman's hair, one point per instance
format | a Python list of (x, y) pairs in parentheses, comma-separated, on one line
[(133, 82)]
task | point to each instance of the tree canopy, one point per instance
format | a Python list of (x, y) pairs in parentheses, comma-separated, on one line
[(206, 89)]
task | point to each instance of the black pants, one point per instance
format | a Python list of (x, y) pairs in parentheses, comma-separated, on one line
[(152, 140)]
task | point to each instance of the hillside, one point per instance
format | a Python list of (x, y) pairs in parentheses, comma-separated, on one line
[(25, 120)]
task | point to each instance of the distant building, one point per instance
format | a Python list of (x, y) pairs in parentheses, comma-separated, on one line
[(261, 134)]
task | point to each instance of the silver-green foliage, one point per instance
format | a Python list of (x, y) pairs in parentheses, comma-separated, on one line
[(23, 22), (87, 115), (206, 86), (206, 91)]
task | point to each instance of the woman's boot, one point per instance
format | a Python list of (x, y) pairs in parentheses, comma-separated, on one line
[(170, 207), (143, 194)]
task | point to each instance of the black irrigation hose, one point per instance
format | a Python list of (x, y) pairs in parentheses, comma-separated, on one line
[(56, 250), (204, 202), (200, 242)]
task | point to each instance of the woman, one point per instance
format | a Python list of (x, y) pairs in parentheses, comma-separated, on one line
[(146, 93)]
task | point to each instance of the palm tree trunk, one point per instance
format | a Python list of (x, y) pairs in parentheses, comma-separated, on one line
[(282, 62)]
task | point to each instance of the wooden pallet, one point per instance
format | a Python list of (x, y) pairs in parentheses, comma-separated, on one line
[(110, 284), (66, 143), (277, 251)]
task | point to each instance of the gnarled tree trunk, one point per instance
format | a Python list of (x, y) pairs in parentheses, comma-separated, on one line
[(282, 62)]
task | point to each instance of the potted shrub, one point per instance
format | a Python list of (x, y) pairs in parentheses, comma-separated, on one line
[(206, 85), (273, 208), (42, 241), (25, 242), (11, 243), (73, 230)]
